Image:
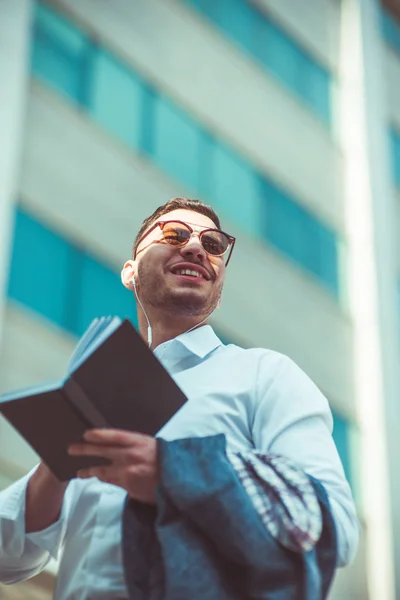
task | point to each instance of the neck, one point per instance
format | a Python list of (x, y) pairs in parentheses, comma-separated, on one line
[(164, 330)]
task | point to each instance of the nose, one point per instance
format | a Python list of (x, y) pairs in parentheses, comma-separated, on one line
[(194, 249)]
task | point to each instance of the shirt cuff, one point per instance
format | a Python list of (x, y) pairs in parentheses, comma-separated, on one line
[(50, 539), (12, 508), (12, 499)]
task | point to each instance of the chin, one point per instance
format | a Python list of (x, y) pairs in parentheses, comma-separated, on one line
[(189, 306)]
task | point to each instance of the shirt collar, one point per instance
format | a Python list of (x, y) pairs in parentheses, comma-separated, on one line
[(200, 341)]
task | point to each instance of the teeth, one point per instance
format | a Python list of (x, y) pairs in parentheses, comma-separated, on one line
[(188, 272)]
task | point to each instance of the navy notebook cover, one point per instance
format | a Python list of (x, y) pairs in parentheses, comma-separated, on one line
[(114, 381)]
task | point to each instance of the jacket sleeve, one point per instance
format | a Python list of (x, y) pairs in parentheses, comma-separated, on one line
[(23, 555), (199, 480), (205, 539)]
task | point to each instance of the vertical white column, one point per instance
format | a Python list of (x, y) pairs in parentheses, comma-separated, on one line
[(384, 215), (14, 72), (368, 205)]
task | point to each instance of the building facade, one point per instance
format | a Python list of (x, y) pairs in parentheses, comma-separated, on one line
[(285, 116)]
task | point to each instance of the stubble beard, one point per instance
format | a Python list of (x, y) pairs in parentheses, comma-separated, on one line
[(175, 304)]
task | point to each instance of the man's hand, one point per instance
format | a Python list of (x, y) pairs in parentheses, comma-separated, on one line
[(134, 461)]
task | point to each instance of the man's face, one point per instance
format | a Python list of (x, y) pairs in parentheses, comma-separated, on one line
[(160, 280)]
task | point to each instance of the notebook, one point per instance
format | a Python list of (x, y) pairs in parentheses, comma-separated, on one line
[(114, 381)]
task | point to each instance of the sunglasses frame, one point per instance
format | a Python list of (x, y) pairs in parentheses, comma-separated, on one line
[(162, 224)]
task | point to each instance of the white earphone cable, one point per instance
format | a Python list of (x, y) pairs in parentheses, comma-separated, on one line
[(149, 330)]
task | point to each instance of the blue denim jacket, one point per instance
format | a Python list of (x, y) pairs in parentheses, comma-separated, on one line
[(205, 540)]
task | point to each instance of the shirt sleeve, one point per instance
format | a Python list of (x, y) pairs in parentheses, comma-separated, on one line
[(292, 419), (23, 555)]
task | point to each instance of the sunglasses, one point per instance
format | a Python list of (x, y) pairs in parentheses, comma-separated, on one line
[(178, 233)]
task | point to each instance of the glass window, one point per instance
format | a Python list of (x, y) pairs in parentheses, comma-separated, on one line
[(315, 87), (40, 269), (208, 7), (275, 48), (295, 68), (236, 188), (149, 101), (116, 101), (61, 283), (302, 237), (395, 154), (341, 436), (282, 222), (59, 52), (329, 264), (238, 19), (176, 143), (279, 54), (309, 242), (101, 293)]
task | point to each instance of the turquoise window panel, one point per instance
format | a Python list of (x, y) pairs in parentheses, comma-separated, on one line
[(279, 54), (391, 30), (57, 280), (40, 269), (148, 134), (60, 29), (395, 155), (282, 222), (209, 7), (101, 293), (315, 88), (176, 143), (300, 236), (238, 20), (116, 99), (292, 65), (60, 52), (329, 261), (237, 190), (275, 48), (341, 436), (309, 243), (317, 249)]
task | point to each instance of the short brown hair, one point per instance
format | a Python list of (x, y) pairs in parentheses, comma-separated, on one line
[(174, 204)]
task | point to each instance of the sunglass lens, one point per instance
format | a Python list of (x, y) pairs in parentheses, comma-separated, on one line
[(176, 234), (214, 242)]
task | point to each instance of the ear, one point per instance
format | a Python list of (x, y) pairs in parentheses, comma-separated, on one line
[(219, 302), (127, 273)]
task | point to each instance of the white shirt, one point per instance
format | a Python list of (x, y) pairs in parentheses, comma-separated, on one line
[(258, 398)]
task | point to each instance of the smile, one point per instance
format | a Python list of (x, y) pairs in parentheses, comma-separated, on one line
[(189, 272)]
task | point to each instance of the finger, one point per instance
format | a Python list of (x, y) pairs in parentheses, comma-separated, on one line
[(108, 474), (115, 454), (113, 437)]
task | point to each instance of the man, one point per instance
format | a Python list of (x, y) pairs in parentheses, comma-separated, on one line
[(261, 402)]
